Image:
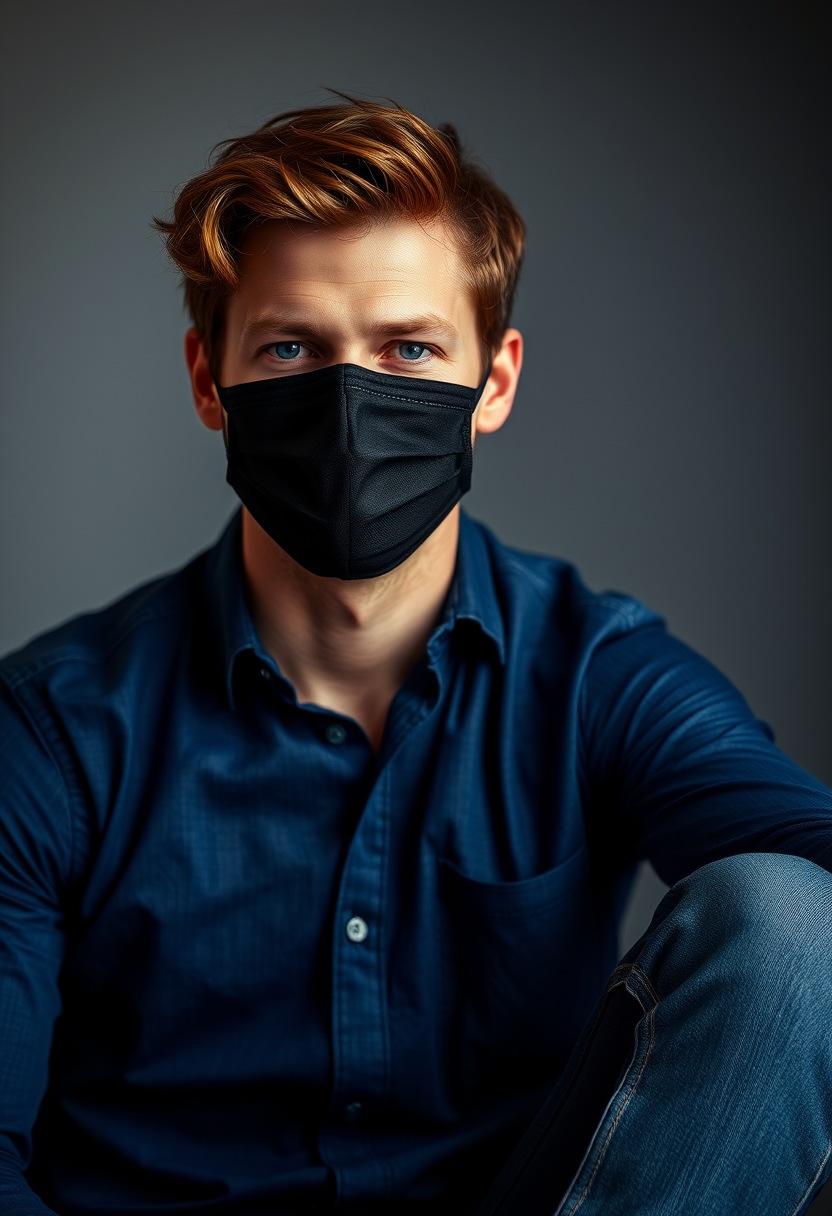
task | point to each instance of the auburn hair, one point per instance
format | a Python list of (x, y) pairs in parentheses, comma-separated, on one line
[(334, 166)]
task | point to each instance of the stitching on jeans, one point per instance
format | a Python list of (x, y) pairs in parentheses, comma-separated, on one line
[(642, 975), (570, 1081), (615, 1121), (617, 1118), (811, 1186), (546, 1124)]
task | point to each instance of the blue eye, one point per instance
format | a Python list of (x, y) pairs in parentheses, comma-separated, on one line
[(286, 350), (412, 351)]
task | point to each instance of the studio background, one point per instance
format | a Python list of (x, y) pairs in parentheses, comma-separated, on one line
[(672, 432)]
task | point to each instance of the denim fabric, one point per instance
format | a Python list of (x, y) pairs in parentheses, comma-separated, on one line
[(708, 1061), (275, 969)]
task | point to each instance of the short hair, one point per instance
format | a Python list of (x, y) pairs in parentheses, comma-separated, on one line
[(334, 166)]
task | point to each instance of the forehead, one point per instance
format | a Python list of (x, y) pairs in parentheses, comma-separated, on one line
[(368, 266)]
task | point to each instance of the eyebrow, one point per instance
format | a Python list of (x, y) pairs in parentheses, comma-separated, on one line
[(428, 322), (425, 323)]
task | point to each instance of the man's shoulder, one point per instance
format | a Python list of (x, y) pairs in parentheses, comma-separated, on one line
[(140, 626), (549, 588)]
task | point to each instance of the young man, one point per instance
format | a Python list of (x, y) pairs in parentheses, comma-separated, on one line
[(313, 852)]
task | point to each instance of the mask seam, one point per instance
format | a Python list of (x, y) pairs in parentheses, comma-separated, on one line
[(442, 405)]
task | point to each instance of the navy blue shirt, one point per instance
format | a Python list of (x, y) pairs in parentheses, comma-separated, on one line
[(276, 970)]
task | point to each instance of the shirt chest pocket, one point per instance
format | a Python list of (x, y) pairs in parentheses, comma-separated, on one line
[(520, 959)]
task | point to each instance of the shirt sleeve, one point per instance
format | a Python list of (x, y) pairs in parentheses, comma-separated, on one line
[(681, 772), (35, 862)]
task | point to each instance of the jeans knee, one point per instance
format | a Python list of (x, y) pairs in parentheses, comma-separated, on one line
[(781, 902), (760, 923)]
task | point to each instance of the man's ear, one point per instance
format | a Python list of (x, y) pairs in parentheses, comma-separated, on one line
[(202, 382), (498, 395)]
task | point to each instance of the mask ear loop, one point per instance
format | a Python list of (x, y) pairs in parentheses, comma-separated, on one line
[(224, 423), (481, 386)]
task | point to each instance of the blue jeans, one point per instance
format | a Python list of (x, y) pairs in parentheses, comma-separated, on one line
[(703, 1083)]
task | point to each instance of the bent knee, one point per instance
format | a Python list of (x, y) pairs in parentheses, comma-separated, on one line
[(769, 916), (770, 891)]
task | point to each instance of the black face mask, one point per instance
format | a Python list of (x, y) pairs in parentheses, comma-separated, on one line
[(349, 470)]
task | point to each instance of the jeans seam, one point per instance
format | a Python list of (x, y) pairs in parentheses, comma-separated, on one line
[(626, 1102), (645, 979), (802, 1201), (619, 976)]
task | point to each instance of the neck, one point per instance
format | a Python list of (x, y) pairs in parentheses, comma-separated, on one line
[(348, 646)]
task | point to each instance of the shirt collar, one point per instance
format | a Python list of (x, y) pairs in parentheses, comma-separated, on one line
[(226, 590), (472, 596)]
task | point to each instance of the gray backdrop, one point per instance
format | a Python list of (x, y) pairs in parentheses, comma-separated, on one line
[(671, 434)]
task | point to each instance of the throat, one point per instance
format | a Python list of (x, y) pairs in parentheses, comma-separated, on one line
[(348, 646), (355, 671), (369, 711)]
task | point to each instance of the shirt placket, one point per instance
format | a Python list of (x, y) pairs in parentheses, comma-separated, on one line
[(360, 1005)]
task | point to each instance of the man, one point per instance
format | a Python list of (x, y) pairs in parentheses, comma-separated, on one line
[(313, 852)]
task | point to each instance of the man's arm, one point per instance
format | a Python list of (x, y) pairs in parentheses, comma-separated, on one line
[(35, 864), (681, 771)]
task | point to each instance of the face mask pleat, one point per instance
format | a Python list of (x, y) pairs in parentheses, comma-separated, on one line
[(349, 470)]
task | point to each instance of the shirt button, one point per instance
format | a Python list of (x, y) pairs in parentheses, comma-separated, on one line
[(357, 929), (265, 674), (353, 1112), (335, 733)]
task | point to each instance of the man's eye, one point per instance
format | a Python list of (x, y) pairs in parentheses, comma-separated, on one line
[(286, 350), (413, 352)]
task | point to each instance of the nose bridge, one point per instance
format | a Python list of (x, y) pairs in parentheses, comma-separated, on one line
[(345, 340), (357, 353)]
